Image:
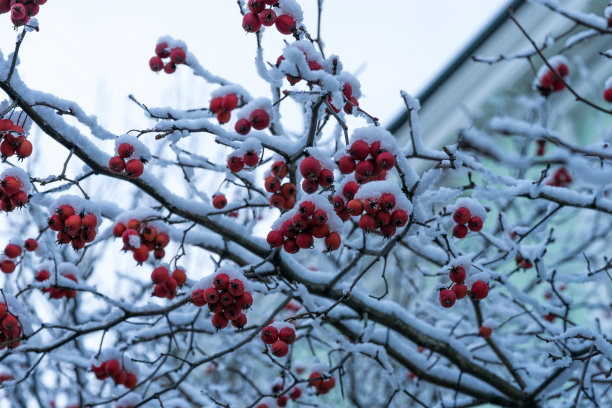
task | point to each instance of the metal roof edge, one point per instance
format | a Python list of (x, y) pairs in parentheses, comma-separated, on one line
[(462, 57)]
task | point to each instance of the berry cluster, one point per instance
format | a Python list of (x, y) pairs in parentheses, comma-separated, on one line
[(368, 161), (54, 291), (176, 57), (13, 140), (222, 106), (284, 194), (236, 163), (315, 175), (14, 187), (457, 274), (10, 329), (113, 369), (259, 119), (548, 81), (560, 178), (12, 251), (141, 237), (281, 400), (464, 220), (259, 15), (131, 156), (226, 297), (74, 222), (278, 336), (297, 229), (351, 101), (21, 10), (166, 283), (322, 381)]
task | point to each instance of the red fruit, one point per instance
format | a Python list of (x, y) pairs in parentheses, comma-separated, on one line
[(304, 240), (72, 225), (382, 218), (89, 221), (364, 168), (267, 17), (160, 275), (11, 185), (179, 276), (346, 165), (125, 150), (30, 244), (240, 321), (319, 231), (120, 377), (460, 231), (260, 119), (608, 95), (326, 385), (244, 301), (19, 199), (282, 401), (161, 50), (130, 381), (170, 286), (314, 380), (352, 103), (197, 298), (12, 250), (447, 298), (385, 161), (287, 334), (306, 208), (100, 371), (460, 290), (159, 253), (24, 149), (177, 56), (285, 24), (475, 224), (461, 215), (388, 231), (250, 158), (457, 274), (269, 334), (562, 70), (242, 126), (367, 223), (219, 201), (229, 102), (359, 150), (349, 190), (338, 204), (319, 217), (134, 168), (112, 367), (310, 186), (235, 164), (399, 218), (251, 23), (354, 207), (7, 266), (485, 331), (236, 287), (18, 11), (272, 184), (479, 290), (256, 6), (141, 254), (279, 348), (221, 281), (6, 149), (231, 312), (386, 201), (77, 243), (215, 104), (63, 238), (291, 246), (326, 178), (211, 295), (156, 64), (280, 169), (277, 200), (170, 68), (219, 321), (295, 393)]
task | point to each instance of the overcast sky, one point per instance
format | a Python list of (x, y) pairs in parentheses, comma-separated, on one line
[(97, 52)]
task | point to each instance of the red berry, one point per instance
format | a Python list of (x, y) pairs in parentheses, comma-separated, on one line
[(291, 246), (386, 201), (256, 6), (244, 301), (269, 334), (354, 207), (310, 168), (89, 222), (382, 218), (364, 168), (350, 189), (267, 17), (30, 244), (359, 150), (346, 165), (475, 224), (608, 95), (177, 55), (215, 104), (130, 381), (350, 105), (287, 334), (170, 67), (367, 223), (125, 150), (160, 275), (251, 158), (461, 215), (399, 218), (219, 321), (221, 282), (243, 126), (134, 168), (235, 164), (116, 164), (156, 64), (285, 24), (251, 23), (319, 217), (326, 178), (310, 186), (72, 225), (460, 290), (112, 367), (240, 321), (236, 287), (260, 119), (11, 185), (141, 254), (304, 240), (12, 250), (306, 208), (24, 149), (219, 201), (282, 400), (385, 161), (447, 298), (19, 199), (18, 11), (211, 295), (388, 231), (479, 290), (229, 102), (295, 393), (198, 298), (457, 274), (279, 348), (460, 231), (485, 331), (7, 266)]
